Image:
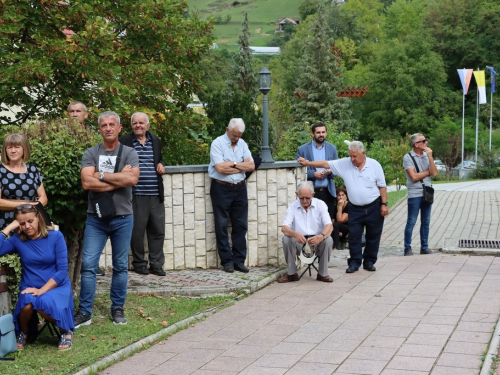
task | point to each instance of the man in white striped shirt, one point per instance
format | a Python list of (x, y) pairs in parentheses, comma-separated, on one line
[(149, 210)]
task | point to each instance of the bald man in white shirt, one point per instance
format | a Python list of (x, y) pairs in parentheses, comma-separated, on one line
[(307, 220)]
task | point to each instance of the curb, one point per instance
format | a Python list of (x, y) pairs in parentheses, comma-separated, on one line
[(137, 346), (492, 351)]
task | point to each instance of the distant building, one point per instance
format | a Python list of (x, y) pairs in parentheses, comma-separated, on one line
[(281, 24), (265, 50)]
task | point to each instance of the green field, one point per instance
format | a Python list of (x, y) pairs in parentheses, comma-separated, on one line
[(262, 17)]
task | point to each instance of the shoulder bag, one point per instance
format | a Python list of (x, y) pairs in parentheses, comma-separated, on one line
[(7, 336), (102, 203), (428, 190)]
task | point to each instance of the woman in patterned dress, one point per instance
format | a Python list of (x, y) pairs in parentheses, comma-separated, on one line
[(19, 180)]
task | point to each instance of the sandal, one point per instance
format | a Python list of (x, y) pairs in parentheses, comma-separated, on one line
[(21, 340), (66, 341)]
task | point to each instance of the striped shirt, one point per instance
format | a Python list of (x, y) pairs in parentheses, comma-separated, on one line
[(148, 178)]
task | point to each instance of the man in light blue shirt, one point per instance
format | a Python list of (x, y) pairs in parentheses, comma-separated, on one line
[(230, 158), (322, 178)]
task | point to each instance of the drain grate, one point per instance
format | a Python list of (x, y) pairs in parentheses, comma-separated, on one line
[(479, 244)]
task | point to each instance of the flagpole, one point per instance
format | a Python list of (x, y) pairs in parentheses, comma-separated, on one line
[(477, 120), (491, 115), (463, 127)]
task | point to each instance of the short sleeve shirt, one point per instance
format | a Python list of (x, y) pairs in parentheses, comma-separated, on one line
[(415, 188), (105, 161), (362, 186), (22, 186), (221, 151), (310, 222)]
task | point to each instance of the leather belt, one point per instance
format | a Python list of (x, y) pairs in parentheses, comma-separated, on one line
[(229, 184), (320, 189), (367, 205)]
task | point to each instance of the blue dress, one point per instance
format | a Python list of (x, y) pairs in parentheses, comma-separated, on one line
[(43, 259)]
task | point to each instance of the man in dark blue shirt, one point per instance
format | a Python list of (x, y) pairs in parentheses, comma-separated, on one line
[(149, 210)]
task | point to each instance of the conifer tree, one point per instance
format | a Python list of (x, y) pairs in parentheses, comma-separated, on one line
[(320, 79), (247, 81)]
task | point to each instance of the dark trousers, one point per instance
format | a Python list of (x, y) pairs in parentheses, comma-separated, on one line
[(149, 217), (330, 201), (230, 202), (337, 229), (360, 218)]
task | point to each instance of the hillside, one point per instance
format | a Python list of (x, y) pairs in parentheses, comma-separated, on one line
[(262, 17)]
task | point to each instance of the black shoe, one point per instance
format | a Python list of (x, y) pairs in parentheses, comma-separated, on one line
[(80, 319), (141, 270), (351, 269), (369, 267), (100, 272), (241, 267), (426, 251), (408, 253), (157, 271), (229, 268), (118, 316)]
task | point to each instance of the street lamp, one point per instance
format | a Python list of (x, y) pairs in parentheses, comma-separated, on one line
[(264, 87)]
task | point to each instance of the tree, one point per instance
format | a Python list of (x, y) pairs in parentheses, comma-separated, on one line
[(247, 81), (407, 89), (107, 54), (319, 80)]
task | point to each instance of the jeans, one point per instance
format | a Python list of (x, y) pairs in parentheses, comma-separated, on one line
[(414, 206), (119, 230)]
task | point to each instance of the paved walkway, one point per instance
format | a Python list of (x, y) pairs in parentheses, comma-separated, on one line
[(432, 314)]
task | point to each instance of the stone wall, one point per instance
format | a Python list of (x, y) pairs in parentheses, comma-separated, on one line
[(189, 223)]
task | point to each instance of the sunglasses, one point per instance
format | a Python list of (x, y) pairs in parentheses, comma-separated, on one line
[(306, 198), (23, 207), (423, 140)]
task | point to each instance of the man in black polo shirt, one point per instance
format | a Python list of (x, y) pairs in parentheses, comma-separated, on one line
[(148, 196)]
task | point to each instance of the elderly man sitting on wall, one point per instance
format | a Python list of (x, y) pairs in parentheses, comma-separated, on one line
[(307, 220)]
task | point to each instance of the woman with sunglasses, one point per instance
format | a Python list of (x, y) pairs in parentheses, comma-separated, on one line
[(44, 287), (19, 180), (340, 225)]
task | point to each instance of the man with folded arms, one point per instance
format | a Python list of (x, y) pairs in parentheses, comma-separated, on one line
[(307, 221), (365, 183), (230, 158)]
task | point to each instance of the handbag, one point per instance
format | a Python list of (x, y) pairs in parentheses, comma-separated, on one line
[(7, 336), (102, 203), (428, 190)]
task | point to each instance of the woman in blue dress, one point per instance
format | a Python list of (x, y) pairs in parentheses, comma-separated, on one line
[(45, 286)]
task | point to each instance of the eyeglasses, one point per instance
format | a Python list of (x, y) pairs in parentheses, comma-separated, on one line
[(302, 198), (423, 140), (23, 207)]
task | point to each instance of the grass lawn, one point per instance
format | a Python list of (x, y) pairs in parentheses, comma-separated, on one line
[(262, 15), (146, 314), (394, 196)]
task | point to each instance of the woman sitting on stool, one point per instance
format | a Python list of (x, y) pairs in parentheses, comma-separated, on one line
[(340, 225), (45, 286)]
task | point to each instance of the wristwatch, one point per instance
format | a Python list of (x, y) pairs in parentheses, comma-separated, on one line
[(234, 164), (101, 176), (384, 203), (324, 237)]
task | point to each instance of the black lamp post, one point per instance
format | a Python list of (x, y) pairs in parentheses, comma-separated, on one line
[(264, 87)]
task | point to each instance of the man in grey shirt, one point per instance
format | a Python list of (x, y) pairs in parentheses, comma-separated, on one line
[(421, 155), (98, 176)]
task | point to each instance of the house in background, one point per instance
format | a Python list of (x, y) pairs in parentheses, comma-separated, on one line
[(281, 24)]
